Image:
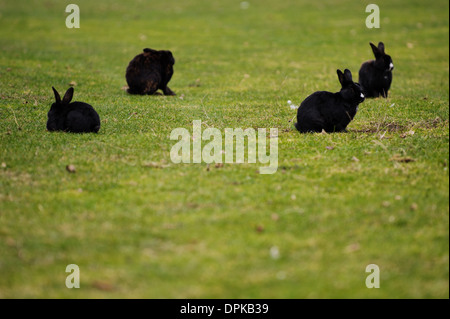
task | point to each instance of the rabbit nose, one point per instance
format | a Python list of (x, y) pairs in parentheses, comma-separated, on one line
[(391, 66)]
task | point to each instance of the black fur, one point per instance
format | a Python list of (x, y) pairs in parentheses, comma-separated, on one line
[(150, 71), (75, 117), (375, 76), (328, 111)]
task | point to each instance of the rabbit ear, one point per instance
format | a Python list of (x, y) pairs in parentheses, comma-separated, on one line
[(348, 75), (57, 97), (167, 55), (341, 77), (68, 96), (375, 50), (381, 47)]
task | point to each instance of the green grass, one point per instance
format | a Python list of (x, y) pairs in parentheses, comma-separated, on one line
[(139, 226)]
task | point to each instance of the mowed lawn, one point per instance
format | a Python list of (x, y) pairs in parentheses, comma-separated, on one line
[(140, 226)]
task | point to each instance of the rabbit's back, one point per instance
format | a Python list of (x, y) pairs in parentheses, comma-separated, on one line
[(367, 69), (143, 73), (144, 62), (312, 115), (324, 111), (81, 118)]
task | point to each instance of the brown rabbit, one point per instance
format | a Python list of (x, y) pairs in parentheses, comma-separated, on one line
[(150, 71)]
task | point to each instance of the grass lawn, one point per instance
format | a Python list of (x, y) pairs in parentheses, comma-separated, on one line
[(140, 226)]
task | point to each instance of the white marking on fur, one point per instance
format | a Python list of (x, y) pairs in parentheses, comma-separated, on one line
[(391, 66), (362, 95)]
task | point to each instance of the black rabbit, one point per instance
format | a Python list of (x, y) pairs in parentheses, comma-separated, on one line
[(375, 76), (328, 111), (75, 117), (150, 71)]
